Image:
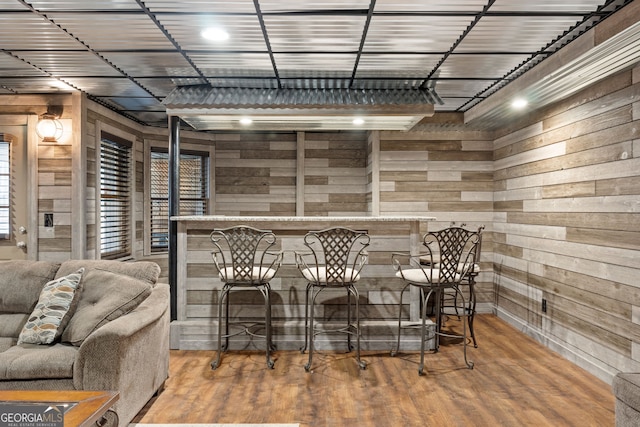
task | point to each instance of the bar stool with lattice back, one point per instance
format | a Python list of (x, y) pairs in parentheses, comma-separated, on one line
[(450, 258), (335, 259), (450, 305), (244, 258)]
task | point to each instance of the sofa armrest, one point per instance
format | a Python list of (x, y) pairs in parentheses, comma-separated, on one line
[(129, 355)]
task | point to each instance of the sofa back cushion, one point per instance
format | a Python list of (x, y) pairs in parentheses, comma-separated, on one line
[(105, 297), (11, 324), (142, 270), (21, 283)]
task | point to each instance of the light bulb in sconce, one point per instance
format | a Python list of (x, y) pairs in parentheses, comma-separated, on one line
[(49, 128)]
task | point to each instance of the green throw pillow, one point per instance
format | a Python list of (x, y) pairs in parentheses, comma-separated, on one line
[(55, 307)]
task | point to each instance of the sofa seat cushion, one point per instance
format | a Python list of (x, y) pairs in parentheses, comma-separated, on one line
[(21, 283), (105, 297), (33, 361), (11, 324)]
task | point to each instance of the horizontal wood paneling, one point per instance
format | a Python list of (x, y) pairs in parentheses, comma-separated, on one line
[(568, 187), (255, 174), (445, 174)]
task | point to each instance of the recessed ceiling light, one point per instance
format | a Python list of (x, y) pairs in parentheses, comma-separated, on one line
[(215, 34), (245, 121), (358, 121), (519, 103)]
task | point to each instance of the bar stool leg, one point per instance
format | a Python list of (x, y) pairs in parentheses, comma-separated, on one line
[(223, 295), (268, 343), (361, 363), (349, 345), (306, 318), (311, 333), (395, 350)]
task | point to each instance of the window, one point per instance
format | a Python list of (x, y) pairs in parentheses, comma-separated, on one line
[(194, 192), (115, 197), (5, 189)]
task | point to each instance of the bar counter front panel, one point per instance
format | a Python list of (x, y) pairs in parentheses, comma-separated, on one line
[(198, 284)]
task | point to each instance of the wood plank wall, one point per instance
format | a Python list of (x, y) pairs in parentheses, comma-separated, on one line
[(335, 181), (255, 174), (54, 196), (443, 173), (567, 225)]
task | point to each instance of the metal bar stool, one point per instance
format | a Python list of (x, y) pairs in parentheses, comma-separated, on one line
[(244, 259), (451, 256), (335, 260)]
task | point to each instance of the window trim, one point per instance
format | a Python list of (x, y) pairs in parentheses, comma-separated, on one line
[(119, 136), (205, 149), (8, 237)]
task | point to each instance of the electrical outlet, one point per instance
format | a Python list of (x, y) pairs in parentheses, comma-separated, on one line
[(544, 305)]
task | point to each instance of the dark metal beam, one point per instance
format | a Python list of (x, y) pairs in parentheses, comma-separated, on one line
[(174, 209)]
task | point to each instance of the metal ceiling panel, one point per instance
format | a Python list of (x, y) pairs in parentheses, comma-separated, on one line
[(430, 6), (491, 66), (32, 32), (453, 104), (549, 6), (515, 33), (315, 65), (398, 66), (244, 32), (311, 5), (149, 64), (159, 87), (139, 104), (94, 5), (460, 88), (12, 66), (239, 64), (70, 63), (113, 31), (108, 87), (201, 6), (314, 33), (409, 33), (30, 84)]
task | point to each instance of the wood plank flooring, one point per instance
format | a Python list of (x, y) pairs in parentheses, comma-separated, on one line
[(515, 382)]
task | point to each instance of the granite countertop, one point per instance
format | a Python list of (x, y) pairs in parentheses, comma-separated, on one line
[(301, 218)]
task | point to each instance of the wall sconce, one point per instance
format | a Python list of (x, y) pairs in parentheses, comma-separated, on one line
[(49, 128)]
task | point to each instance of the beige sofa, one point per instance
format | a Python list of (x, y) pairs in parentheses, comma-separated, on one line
[(111, 329)]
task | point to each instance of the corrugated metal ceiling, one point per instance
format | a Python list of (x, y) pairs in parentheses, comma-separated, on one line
[(130, 54)]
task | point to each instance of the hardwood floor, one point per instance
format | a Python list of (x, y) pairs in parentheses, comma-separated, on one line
[(515, 382)]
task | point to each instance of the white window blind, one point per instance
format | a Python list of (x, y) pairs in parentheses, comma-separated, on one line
[(194, 192), (5, 189), (115, 198)]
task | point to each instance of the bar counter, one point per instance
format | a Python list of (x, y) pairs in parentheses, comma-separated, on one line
[(198, 284)]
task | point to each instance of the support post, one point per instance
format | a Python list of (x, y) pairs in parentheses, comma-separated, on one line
[(174, 209)]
